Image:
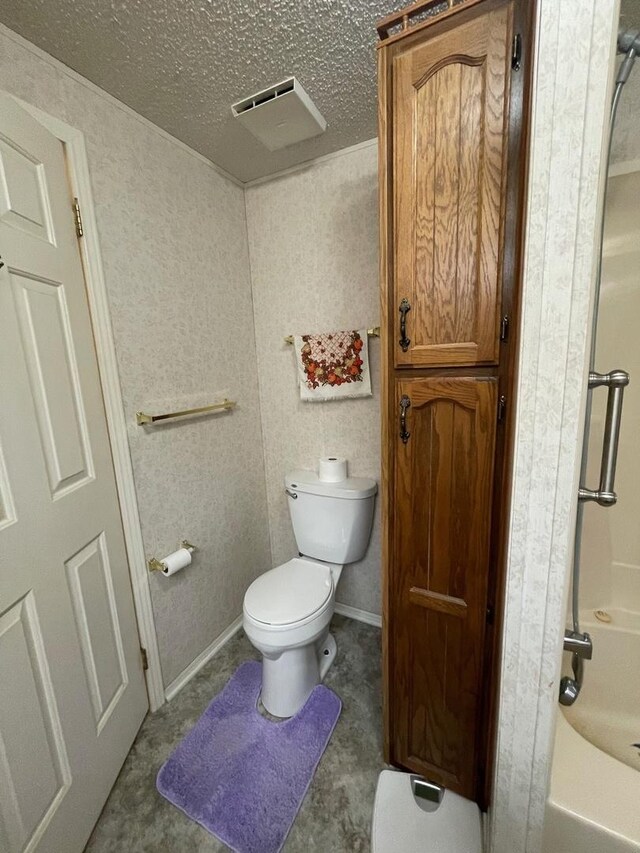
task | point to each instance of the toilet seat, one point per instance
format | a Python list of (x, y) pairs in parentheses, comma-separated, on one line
[(290, 593)]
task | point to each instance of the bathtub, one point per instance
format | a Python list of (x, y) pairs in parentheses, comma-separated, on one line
[(594, 796)]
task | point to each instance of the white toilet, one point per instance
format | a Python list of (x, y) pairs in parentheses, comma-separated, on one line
[(287, 610)]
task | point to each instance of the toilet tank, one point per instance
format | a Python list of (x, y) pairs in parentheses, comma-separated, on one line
[(331, 521)]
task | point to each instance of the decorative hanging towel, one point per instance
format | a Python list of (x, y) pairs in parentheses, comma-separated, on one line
[(332, 365)]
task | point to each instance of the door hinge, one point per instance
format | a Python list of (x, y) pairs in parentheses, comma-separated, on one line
[(145, 659), (504, 328), (502, 407), (490, 614), (516, 52), (77, 216)]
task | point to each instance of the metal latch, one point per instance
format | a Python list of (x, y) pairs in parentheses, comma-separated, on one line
[(516, 52), (504, 328), (502, 407)]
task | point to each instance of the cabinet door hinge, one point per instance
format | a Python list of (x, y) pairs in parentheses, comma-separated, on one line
[(504, 328), (145, 659), (516, 52), (502, 407), (77, 216)]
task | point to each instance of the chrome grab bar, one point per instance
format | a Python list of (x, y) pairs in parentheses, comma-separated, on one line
[(616, 381)]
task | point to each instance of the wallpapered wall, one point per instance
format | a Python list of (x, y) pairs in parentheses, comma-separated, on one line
[(174, 245), (174, 236), (313, 237)]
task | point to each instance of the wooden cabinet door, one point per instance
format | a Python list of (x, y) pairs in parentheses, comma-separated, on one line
[(450, 111), (439, 573)]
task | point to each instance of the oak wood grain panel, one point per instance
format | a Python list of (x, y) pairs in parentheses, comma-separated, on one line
[(387, 343), (424, 208), (439, 308), (405, 665), (468, 210), (442, 488), (450, 108), (436, 601)]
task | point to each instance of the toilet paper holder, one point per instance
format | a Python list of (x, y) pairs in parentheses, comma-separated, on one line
[(156, 565)]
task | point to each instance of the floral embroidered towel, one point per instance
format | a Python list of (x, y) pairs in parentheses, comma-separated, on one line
[(332, 365)]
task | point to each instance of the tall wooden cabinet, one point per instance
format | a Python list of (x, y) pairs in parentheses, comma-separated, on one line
[(452, 141)]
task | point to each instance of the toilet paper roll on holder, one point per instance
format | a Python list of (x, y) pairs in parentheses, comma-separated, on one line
[(156, 565)]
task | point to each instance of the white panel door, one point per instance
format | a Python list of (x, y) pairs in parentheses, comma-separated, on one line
[(72, 692)]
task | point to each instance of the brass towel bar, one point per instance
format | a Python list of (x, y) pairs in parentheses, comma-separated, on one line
[(373, 332), (142, 418)]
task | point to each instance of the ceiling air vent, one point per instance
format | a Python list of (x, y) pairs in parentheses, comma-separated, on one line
[(280, 115)]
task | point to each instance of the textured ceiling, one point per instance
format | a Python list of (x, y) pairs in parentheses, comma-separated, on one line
[(182, 63)]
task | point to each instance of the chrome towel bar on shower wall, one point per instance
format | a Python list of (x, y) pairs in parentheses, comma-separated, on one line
[(143, 419), (615, 381)]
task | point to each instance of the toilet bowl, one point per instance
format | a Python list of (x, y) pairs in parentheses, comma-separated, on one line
[(287, 610)]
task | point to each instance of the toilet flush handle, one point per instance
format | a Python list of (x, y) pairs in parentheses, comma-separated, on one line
[(292, 494)]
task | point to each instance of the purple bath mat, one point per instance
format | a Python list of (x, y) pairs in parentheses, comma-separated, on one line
[(244, 777)]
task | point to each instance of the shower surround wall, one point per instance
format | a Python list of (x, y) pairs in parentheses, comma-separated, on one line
[(313, 237), (611, 538), (173, 238), (625, 148), (610, 564)]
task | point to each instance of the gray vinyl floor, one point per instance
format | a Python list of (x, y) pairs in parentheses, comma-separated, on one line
[(336, 813)]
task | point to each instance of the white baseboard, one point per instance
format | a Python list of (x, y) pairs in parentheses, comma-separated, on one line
[(360, 615), (204, 657)]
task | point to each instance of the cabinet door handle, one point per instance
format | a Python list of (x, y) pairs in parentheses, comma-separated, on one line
[(405, 403), (404, 309)]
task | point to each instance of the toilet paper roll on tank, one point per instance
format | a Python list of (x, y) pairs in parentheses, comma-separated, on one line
[(332, 469)]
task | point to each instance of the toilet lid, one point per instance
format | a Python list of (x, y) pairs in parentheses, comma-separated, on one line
[(289, 593)]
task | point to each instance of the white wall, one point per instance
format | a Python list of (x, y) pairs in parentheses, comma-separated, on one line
[(174, 245), (313, 237), (565, 189)]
